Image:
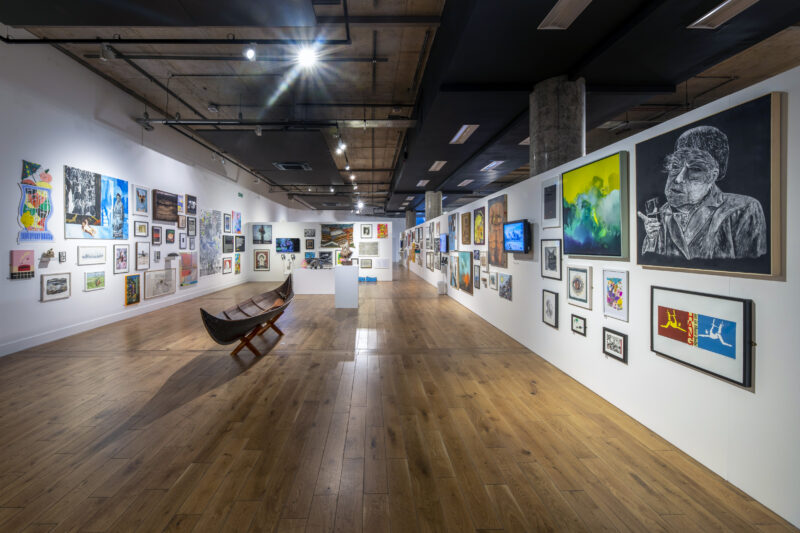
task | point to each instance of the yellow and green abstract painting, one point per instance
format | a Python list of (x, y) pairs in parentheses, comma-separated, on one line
[(592, 201)]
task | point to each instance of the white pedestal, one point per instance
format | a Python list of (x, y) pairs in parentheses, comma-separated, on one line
[(346, 277), (308, 281)]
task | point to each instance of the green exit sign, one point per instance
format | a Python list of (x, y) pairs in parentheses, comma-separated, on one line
[(241, 195)]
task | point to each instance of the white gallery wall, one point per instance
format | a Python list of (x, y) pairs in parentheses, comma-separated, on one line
[(55, 112), (749, 437)]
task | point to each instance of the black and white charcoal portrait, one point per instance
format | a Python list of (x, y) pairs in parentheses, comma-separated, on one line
[(703, 193)]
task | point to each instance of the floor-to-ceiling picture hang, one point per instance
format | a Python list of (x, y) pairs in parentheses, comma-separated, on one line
[(210, 242), (708, 194), (595, 207), (479, 222), (95, 206), (336, 235), (498, 212), (36, 203)]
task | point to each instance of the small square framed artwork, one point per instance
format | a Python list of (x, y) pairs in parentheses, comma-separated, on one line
[(579, 286), (140, 228), (615, 344), (550, 308), (579, 325), (94, 281), (121, 264), (309, 243), (56, 286), (142, 255)]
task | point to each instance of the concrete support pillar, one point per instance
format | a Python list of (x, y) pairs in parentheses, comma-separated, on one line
[(411, 218), (433, 204), (557, 123)]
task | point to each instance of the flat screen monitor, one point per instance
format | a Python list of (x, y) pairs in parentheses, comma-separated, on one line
[(287, 245), (443, 243), (517, 237)]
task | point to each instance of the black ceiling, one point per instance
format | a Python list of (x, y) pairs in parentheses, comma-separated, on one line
[(488, 55)]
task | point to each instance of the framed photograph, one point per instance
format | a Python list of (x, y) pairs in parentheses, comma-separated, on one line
[(550, 308), (181, 221), (262, 234), (551, 203), (710, 333), (579, 286), (94, 281), (133, 289), (165, 206), (309, 233), (159, 283), (476, 276), (191, 243), (191, 226), (142, 255), (725, 169), (227, 265), (121, 252), (579, 325), (365, 263), (309, 244), (615, 294), (261, 260), (227, 244), (182, 241), (191, 204), (141, 200), (594, 200), (170, 239), (366, 231), (493, 280), (615, 344), (551, 258), (140, 228), (156, 235), (239, 243), (504, 288), (326, 258), (56, 286), (91, 255), (226, 222)]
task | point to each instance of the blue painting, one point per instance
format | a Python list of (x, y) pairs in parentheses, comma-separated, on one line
[(262, 234), (95, 208)]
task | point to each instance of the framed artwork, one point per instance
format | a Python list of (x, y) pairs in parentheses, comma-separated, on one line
[(239, 243), (189, 268), (504, 285), (95, 206), (476, 276), (226, 222), (156, 235), (383, 231), (615, 344), (159, 283), (452, 226), (227, 244), (551, 202), (170, 236), (94, 281), (595, 208), (133, 289), (141, 200), (165, 206), (485, 262), (337, 257), (579, 325), (336, 235), (142, 255), (210, 233), (725, 170), (261, 260), (454, 271), (497, 217), (227, 265), (615, 294), (476, 256), (140, 228), (704, 331), (326, 258), (191, 226), (182, 241), (181, 221), (156, 256), (192, 243), (479, 225), (466, 228), (35, 203), (437, 260), (309, 233), (56, 286), (237, 263), (181, 205), (365, 263), (91, 255), (429, 261), (465, 271), (191, 204), (551, 258), (369, 248), (493, 280), (366, 231), (262, 234), (309, 244), (550, 308), (62, 257), (121, 252), (236, 222), (22, 264), (579, 286)]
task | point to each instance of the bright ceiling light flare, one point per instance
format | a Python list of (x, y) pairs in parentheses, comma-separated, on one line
[(721, 14), (307, 57), (249, 53), (352, 177), (360, 204)]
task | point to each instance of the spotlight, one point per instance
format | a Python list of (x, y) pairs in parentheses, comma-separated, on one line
[(250, 53), (347, 166), (332, 189), (352, 177), (307, 57), (339, 150), (213, 108), (342, 146), (355, 186), (222, 160), (360, 204), (106, 53), (258, 131), (309, 189)]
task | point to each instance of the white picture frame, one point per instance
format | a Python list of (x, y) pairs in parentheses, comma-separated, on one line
[(56, 286), (122, 257), (616, 298), (142, 255), (579, 285), (91, 255), (98, 275), (140, 200)]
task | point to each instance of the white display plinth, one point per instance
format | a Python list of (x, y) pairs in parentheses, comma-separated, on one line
[(346, 286), (308, 281)]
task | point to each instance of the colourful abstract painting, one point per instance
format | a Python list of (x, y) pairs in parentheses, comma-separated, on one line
[(479, 220), (336, 235), (237, 221), (188, 268), (237, 264), (465, 271), (497, 217), (133, 291), (210, 242), (35, 205), (592, 208), (383, 231), (95, 206)]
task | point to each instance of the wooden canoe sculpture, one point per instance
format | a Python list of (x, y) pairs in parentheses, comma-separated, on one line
[(249, 318)]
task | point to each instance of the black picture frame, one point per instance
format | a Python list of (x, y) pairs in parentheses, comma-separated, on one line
[(239, 243), (309, 244), (554, 324), (227, 244), (581, 320), (560, 259), (624, 337)]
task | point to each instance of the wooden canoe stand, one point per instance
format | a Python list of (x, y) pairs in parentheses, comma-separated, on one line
[(257, 332)]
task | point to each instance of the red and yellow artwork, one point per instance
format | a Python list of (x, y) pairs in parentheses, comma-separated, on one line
[(383, 231)]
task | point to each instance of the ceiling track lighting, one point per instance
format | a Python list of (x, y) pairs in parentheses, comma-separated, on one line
[(106, 53), (249, 52), (213, 108), (352, 177)]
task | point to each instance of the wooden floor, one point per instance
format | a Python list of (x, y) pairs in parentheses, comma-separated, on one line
[(408, 414)]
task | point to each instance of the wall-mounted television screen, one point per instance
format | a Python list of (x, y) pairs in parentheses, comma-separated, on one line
[(443, 243), (517, 237), (287, 245)]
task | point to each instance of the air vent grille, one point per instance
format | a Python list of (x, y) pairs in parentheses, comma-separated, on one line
[(290, 165)]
